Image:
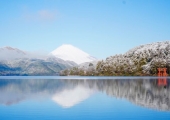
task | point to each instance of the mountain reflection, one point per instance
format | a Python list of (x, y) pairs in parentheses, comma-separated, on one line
[(151, 93)]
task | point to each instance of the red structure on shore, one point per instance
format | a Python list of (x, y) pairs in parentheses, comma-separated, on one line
[(162, 72)]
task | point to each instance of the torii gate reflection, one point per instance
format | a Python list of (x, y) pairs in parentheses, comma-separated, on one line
[(162, 82), (162, 73)]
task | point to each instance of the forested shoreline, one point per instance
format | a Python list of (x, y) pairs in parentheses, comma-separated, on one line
[(140, 61)]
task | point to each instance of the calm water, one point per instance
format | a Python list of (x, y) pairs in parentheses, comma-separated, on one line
[(84, 98)]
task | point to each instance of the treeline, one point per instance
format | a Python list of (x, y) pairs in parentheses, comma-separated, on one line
[(140, 61), (89, 70)]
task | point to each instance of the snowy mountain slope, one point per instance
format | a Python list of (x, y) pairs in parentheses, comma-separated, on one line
[(150, 49), (87, 65), (17, 62), (141, 60), (11, 53), (71, 53), (26, 66)]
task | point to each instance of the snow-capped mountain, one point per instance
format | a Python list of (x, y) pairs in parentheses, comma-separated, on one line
[(71, 53), (11, 53), (17, 62)]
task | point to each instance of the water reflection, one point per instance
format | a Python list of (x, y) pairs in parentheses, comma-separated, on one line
[(70, 97), (151, 93)]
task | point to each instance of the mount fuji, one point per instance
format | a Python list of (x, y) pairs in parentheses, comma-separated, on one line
[(70, 53), (14, 61)]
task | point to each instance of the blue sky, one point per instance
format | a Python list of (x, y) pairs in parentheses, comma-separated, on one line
[(99, 27)]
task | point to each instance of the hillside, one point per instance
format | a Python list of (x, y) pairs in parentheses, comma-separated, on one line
[(17, 62), (25, 66), (139, 61)]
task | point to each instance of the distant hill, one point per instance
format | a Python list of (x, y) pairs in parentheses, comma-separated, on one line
[(17, 62), (7, 53), (27, 66), (139, 61)]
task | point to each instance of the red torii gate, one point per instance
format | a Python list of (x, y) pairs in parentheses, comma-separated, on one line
[(162, 73)]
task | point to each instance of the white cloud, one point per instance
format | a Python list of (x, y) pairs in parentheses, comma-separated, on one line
[(43, 15), (46, 15)]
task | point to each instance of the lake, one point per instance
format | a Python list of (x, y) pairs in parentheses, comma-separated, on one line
[(84, 98)]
